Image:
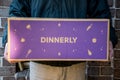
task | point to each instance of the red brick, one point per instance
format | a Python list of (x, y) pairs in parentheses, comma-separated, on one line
[(1, 51), (117, 54), (93, 71), (118, 45), (117, 24), (100, 78), (116, 79), (4, 12), (118, 33), (99, 63), (4, 21), (110, 2), (7, 71), (117, 13), (117, 73), (8, 78), (21, 78), (117, 4), (6, 63), (116, 63), (1, 31), (5, 2), (106, 70), (112, 12)]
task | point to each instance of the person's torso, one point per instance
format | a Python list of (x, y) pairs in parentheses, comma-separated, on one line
[(59, 8)]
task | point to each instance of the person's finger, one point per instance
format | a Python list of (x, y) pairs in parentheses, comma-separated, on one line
[(6, 54), (111, 51), (6, 51)]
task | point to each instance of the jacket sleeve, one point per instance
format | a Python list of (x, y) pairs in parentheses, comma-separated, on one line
[(18, 8), (100, 9), (4, 38)]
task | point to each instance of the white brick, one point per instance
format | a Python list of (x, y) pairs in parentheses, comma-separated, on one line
[(4, 12)]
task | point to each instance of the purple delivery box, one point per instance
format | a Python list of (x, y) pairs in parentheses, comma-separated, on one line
[(58, 39)]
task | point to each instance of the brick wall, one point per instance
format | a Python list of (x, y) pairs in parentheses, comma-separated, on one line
[(6, 70), (95, 70), (108, 70)]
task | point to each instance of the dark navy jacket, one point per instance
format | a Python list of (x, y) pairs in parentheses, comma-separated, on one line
[(62, 9)]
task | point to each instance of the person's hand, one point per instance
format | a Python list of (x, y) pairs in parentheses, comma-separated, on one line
[(111, 51), (6, 51), (6, 54)]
